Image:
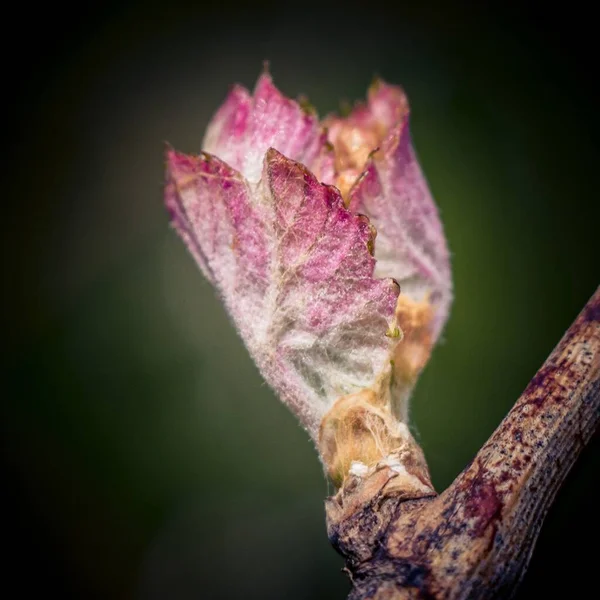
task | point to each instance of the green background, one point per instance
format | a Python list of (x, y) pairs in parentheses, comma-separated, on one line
[(143, 455)]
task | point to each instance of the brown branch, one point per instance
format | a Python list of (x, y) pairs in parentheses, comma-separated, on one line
[(476, 538)]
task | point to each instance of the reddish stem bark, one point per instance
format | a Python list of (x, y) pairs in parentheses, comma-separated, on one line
[(476, 538)]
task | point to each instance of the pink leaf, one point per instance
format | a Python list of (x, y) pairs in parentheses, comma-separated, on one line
[(245, 127), (294, 268)]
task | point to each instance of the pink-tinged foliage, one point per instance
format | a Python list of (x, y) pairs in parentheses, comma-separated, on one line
[(292, 257), (393, 192), (294, 269), (246, 126)]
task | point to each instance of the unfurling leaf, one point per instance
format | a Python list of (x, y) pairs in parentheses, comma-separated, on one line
[(280, 211)]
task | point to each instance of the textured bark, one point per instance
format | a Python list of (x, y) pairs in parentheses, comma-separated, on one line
[(476, 538)]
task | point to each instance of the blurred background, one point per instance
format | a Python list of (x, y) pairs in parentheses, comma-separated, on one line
[(143, 457)]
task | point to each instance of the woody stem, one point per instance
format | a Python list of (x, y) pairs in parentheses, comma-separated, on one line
[(476, 538)]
